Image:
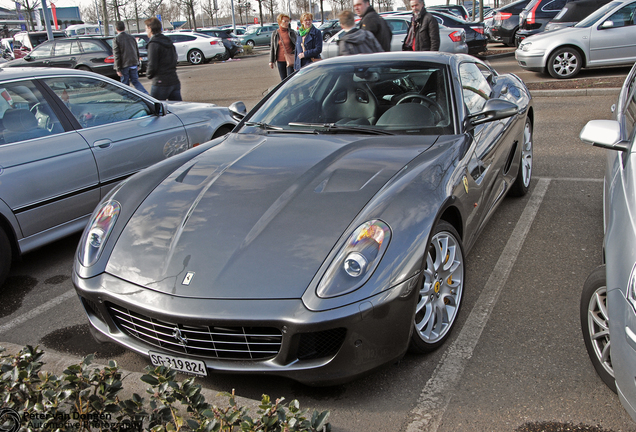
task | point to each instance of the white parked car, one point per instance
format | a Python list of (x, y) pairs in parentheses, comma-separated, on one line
[(452, 40), (197, 48)]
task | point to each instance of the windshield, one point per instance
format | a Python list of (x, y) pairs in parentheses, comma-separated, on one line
[(592, 18), (252, 30), (325, 25), (404, 97)]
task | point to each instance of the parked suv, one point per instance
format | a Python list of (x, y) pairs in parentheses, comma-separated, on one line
[(258, 35), (89, 53), (24, 42), (535, 16), (506, 22)]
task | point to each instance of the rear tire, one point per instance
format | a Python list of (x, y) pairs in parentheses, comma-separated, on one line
[(5, 256), (83, 68), (595, 325), (196, 57)]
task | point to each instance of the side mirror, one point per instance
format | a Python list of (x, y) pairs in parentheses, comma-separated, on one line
[(604, 134), (238, 110), (160, 110), (607, 24), (494, 109)]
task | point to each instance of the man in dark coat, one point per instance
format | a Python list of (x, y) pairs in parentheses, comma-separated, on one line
[(371, 21), (355, 40), (424, 32), (162, 63), (126, 54)]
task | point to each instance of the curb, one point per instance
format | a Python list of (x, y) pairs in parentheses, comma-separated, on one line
[(56, 362), (576, 92)]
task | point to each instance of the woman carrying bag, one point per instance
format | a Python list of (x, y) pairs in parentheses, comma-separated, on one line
[(308, 43), (283, 47)]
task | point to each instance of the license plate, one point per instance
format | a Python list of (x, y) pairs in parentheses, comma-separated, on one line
[(195, 367)]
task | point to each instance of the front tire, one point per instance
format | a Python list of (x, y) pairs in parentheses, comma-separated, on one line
[(441, 289), (595, 325), (5, 256), (524, 175), (565, 63), (326, 36), (250, 43), (196, 57)]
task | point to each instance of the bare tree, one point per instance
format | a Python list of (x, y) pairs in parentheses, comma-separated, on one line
[(89, 13), (270, 7), (211, 8), (386, 5), (338, 6), (302, 6), (188, 6), (115, 7), (28, 9), (152, 7)]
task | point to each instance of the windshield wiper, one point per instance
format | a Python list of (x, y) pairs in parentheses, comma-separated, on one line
[(263, 125), (270, 128), (336, 128)]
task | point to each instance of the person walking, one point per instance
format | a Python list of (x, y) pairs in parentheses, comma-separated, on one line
[(162, 63), (355, 40), (126, 54), (308, 42), (371, 21), (282, 51), (424, 32)]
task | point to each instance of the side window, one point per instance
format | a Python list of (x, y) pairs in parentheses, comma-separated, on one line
[(475, 88), (189, 38), (91, 46), (43, 51), (553, 6), (94, 102), (623, 17), (25, 113), (62, 48)]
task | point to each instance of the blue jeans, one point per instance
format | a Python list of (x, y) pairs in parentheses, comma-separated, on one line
[(130, 75), (283, 70), (171, 93)]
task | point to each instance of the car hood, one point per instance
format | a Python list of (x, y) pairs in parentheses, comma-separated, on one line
[(255, 216), (559, 35)]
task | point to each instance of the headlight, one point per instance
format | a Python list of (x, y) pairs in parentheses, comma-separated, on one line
[(97, 232), (356, 261), (631, 287), (525, 46)]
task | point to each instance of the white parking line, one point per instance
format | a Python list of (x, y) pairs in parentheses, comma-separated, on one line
[(37, 311), (436, 395)]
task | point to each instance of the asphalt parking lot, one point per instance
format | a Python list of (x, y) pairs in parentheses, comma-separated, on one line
[(517, 360)]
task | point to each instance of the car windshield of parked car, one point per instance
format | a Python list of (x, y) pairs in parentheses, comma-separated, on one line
[(94, 102), (592, 18), (406, 97)]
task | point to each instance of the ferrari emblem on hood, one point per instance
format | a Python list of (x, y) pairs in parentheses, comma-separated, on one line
[(188, 278)]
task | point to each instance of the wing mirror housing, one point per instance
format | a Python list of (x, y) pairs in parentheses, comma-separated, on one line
[(605, 134), (238, 110), (494, 109), (160, 110), (607, 24)]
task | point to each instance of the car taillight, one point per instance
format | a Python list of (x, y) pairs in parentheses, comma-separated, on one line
[(478, 29), (503, 16), (109, 59), (214, 42), (531, 14), (455, 36)]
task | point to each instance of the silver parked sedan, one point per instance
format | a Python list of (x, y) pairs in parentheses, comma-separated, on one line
[(325, 234), (604, 38), (67, 137), (608, 302)]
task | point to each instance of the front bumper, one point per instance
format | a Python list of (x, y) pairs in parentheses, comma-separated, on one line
[(373, 332), (532, 61), (623, 346)]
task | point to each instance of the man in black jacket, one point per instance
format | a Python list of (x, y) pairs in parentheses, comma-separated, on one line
[(424, 32), (371, 21), (162, 63), (355, 40), (126, 54)]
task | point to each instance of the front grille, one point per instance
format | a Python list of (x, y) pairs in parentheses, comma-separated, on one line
[(320, 344), (231, 343)]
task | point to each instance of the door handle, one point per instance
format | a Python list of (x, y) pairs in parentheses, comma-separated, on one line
[(103, 143)]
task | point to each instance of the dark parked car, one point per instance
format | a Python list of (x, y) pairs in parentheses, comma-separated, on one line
[(231, 42), (573, 12), (535, 16), (329, 28), (89, 53), (322, 237), (475, 38), (506, 22)]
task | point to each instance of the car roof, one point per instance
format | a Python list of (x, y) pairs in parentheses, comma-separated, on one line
[(31, 72), (429, 56)]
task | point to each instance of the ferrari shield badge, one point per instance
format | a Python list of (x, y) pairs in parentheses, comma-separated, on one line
[(188, 278), (465, 180)]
